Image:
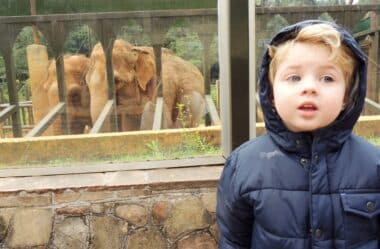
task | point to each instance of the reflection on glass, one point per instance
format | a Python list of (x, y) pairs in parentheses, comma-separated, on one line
[(75, 69), (363, 22)]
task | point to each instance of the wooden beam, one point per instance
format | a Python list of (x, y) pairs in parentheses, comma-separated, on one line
[(46, 121), (158, 114), (4, 114), (102, 117), (212, 111)]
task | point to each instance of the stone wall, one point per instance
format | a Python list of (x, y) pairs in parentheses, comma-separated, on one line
[(147, 216)]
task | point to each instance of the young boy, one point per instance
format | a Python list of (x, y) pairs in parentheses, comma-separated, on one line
[(309, 182)]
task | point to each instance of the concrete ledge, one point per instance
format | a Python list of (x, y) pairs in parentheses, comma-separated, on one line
[(86, 147), (368, 126), (23, 151), (154, 178)]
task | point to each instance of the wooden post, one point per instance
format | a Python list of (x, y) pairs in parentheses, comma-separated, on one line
[(38, 63)]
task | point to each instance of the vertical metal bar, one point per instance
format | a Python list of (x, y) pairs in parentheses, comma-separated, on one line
[(13, 98), (252, 69), (225, 74), (158, 60), (62, 92), (158, 117), (206, 65), (206, 72), (239, 49), (111, 83), (58, 31)]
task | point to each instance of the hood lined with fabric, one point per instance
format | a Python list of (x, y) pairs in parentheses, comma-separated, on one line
[(327, 138)]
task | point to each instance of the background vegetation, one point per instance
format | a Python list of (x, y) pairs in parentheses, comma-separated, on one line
[(179, 38)]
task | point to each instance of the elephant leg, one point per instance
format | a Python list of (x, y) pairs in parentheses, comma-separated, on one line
[(167, 117), (197, 108), (147, 117), (129, 123), (192, 110)]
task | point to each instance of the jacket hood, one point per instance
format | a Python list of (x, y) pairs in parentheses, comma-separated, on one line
[(328, 138)]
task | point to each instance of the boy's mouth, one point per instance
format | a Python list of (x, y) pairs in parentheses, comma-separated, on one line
[(307, 107)]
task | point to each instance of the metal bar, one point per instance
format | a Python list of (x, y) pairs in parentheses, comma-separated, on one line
[(158, 114), (182, 13), (366, 32), (102, 117), (58, 31), (107, 40), (206, 42), (212, 110), (10, 69), (252, 69), (225, 74), (372, 104), (239, 65), (29, 127), (108, 15), (158, 60), (46, 121), (4, 114), (21, 104)]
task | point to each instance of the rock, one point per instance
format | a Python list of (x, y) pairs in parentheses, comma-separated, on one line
[(149, 238), (197, 241), (160, 212), (31, 227), (6, 215), (209, 201), (186, 216), (214, 230), (134, 214), (72, 233), (97, 208), (106, 233)]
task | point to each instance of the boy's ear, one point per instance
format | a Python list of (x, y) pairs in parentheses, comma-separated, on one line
[(345, 102), (271, 51)]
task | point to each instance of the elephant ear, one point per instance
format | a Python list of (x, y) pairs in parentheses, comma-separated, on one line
[(145, 68)]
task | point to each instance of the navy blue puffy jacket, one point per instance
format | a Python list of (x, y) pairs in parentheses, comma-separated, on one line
[(288, 190)]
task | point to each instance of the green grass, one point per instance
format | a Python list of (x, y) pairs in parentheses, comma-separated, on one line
[(374, 140), (192, 145)]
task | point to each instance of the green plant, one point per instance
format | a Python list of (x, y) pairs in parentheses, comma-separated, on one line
[(191, 141), (374, 140), (154, 150)]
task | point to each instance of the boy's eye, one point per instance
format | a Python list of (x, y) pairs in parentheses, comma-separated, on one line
[(327, 78), (293, 78)]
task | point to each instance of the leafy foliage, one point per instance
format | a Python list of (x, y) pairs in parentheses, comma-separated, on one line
[(80, 41)]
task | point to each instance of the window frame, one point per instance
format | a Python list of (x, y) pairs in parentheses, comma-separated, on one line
[(236, 116)]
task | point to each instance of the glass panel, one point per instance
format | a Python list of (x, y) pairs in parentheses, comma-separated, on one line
[(91, 81), (362, 22)]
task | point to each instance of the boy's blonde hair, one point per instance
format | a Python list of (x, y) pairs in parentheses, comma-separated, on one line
[(317, 34)]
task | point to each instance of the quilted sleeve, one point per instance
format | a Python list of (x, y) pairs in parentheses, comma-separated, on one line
[(234, 213)]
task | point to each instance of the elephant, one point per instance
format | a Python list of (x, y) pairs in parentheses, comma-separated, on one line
[(77, 93), (136, 87)]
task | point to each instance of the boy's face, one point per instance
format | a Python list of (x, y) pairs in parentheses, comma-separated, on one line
[(308, 88)]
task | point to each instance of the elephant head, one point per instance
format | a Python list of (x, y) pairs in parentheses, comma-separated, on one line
[(136, 86), (77, 94), (135, 82)]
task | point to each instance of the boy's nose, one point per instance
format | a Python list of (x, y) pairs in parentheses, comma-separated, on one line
[(309, 86)]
